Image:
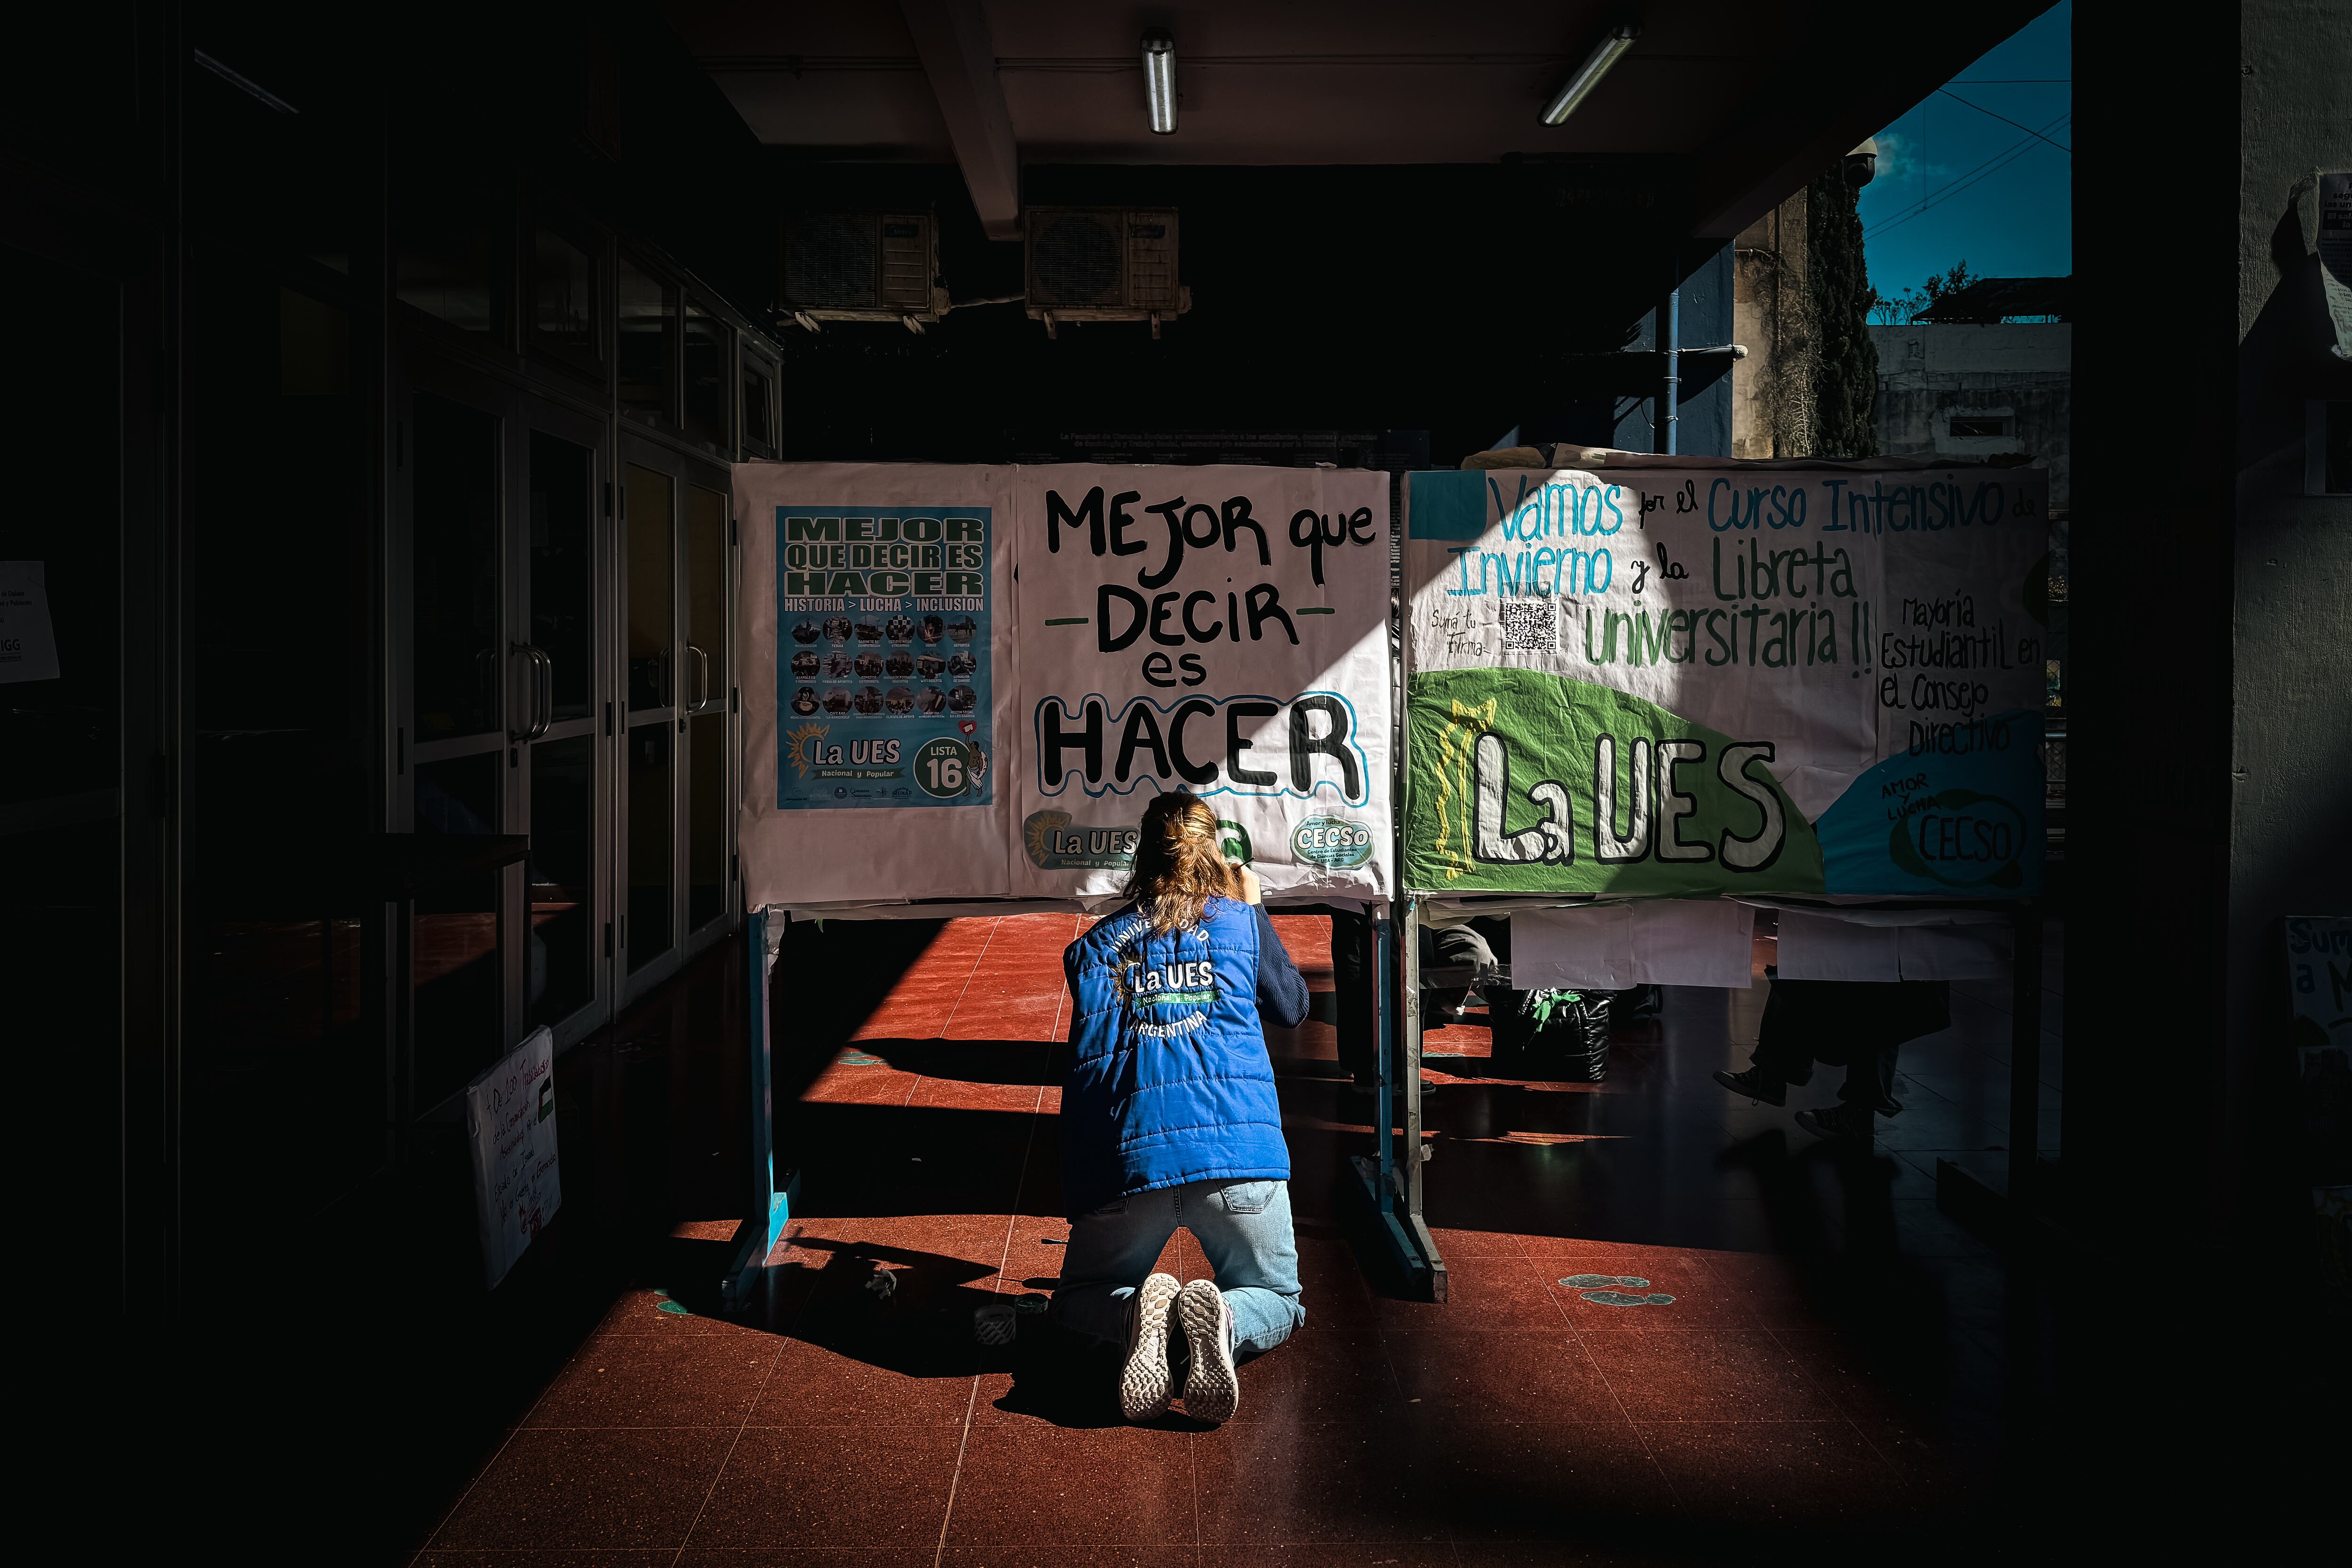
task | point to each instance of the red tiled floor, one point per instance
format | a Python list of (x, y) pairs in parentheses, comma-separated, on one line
[(872, 1486), (1307, 1482), (570, 1488), (1475, 1375), (1805, 1472), (1025, 1482), (1516, 1424), (1707, 1374), (707, 1380)]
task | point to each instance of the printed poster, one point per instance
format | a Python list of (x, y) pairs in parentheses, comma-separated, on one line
[(1694, 677), (1219, 629), (883, 620), (877, 666)]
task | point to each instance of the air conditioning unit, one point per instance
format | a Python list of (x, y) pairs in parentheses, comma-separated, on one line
[(863, 267), (1104, 264)]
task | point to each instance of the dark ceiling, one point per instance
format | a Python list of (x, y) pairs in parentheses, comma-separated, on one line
[(1751, 96)]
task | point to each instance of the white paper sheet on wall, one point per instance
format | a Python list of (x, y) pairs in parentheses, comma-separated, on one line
[(28, 638), (1893, 944), (1608, 947), (511, 1124)]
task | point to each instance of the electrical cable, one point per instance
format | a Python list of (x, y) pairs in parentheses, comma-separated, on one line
[(1953, 187), (2004, 119)]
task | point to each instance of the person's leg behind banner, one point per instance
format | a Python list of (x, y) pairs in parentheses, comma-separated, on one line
[(1784, 1058)]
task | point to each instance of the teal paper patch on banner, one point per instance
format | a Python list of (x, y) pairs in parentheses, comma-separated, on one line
[(1447, 505)]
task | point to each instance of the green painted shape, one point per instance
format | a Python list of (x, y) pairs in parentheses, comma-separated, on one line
[(1549, 724), (675, 1309), (1619, 1299), (1587, 1281)]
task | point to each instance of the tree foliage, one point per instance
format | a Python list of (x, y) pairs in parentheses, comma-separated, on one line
[(1845, 362)]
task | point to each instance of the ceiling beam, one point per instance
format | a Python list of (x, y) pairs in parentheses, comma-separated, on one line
[(1866, 76), (960, 58)]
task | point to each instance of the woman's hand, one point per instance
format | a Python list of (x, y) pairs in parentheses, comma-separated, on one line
[(1246, 879)]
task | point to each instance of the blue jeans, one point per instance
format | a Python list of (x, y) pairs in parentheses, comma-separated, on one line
[(1244, 1229)]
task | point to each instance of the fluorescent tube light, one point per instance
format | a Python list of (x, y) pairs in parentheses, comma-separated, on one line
[(1586, 77), (1159, 82)]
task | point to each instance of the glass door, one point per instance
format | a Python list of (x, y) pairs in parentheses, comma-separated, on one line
[(649, 922), (560, 738), (460, 712), (678, 772), (708, 780), (508, 721)]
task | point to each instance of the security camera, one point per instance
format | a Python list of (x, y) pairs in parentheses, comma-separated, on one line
[(1861, 163)]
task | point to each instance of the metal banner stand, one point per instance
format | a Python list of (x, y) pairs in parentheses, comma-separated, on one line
[(770, 1205)]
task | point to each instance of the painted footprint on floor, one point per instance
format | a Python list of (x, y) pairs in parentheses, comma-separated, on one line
[(1595, 1288)]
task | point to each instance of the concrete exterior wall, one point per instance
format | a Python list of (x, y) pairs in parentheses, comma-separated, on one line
[(1771, 396), (2291, 744), (2021, 375)]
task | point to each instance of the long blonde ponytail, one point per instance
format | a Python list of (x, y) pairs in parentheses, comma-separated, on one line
[(1178, 866)]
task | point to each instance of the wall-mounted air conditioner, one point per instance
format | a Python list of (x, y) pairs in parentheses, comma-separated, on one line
[(1104, 264), (863, 267)]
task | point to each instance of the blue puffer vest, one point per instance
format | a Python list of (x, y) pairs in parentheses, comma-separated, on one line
[(1168, 1080)]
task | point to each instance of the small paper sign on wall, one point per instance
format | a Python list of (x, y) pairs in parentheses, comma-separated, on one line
[(511, 1124)]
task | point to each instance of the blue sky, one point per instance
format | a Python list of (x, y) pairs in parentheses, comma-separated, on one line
[(1922, 213)]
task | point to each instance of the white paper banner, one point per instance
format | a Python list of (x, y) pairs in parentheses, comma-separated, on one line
[(1776, 678), (1222, 629), (1672, 941)]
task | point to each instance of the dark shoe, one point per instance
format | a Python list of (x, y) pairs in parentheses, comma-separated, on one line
[(1757, 1084), (1839, 1124)]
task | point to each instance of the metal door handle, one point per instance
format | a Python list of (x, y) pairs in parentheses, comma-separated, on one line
[(542, 692), (701, 680)]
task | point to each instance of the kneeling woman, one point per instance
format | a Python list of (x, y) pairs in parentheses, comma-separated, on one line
[(1169, 1118)]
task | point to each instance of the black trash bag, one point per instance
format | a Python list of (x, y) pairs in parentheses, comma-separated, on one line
[(1566, 1031)]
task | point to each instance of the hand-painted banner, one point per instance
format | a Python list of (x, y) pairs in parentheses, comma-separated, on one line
[(1222, 630), (1700, 677)]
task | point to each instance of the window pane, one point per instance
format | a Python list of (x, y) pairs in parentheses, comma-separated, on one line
[(651, 526), (563, 298), (562, 569), (562, 877), (460, 1006), (706, 377), (452, 242), (454, 569), (759, 407), (649, 323), (706, 841), (706, 596), (652, 844)]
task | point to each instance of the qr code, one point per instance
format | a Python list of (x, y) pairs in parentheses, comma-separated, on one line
[(1530, 625)]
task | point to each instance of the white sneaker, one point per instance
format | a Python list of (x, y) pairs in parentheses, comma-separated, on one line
[(1144, 1382), (1213, 1388)]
